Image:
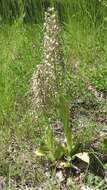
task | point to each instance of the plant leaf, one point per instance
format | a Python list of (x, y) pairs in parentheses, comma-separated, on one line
[(39, 153), (65, 116)]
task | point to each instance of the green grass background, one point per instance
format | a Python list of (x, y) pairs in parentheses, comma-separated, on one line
[(84, 32), (84, 35)]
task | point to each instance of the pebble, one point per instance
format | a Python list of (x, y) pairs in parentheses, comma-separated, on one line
[(59, 176)]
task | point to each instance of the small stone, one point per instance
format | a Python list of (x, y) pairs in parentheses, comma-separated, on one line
[(70, 182), (85, 187), (59, 176), (105, 177), (47, 173), (2, 183)]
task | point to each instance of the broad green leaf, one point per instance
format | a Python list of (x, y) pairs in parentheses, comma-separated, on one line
[(40, 153), (50, 138), (47, 154), (65, 117), (104, 144), (105, 166), (60, 150)]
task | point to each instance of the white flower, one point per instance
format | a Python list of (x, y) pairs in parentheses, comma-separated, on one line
[(47, 78)]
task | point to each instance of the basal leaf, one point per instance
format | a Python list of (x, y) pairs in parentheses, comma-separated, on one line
[(65, 117)]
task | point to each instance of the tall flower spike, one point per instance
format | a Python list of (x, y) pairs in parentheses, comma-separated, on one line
[(47, 79)]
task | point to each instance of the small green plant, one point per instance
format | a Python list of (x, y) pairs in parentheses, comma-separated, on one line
[(50, 95), (104, 145), (51, 148)]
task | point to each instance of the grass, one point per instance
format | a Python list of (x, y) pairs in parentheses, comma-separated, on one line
[(33, 9), (84, 45), (19, 54)]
